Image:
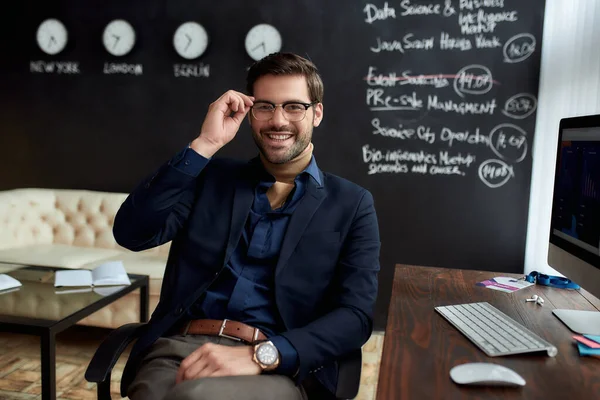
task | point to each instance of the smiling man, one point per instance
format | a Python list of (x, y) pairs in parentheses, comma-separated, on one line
[(272, 273)]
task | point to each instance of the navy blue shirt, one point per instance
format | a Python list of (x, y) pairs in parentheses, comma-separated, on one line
[(244, 291)]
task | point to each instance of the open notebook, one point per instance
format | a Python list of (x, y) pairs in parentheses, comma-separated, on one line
[(107, 274), (8, 284)]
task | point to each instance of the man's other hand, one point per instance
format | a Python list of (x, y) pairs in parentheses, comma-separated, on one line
[(222, 122), (212, 360)]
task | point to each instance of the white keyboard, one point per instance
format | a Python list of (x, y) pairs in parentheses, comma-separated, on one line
[(492, 331)]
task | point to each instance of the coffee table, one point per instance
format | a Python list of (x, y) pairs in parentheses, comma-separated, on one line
[(38, 308)]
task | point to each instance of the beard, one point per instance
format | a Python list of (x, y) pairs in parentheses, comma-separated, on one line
[(281, 155)]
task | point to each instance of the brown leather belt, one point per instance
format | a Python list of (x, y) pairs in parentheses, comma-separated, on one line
[(225, 328)]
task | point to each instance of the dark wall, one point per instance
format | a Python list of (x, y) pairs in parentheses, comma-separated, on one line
[(452, 186)]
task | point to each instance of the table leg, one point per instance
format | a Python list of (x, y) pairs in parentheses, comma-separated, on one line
[(48, 347), (144, 300)]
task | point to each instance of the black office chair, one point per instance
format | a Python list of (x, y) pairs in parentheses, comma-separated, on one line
[(110, 350)]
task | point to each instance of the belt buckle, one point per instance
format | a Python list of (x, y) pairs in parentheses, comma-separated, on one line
[(221, 334)]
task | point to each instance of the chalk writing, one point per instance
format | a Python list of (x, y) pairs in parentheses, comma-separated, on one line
[(473, 79), (399, 160), (495, 173), (509, 142), (482, 21), (449, 43), (379, 101), (437, 81), (385, 45), (54, 67), (484, 42), (449, 10), (392, 79), (191, 70), (450, 136), (418, 9), (462, 108), (518, 48), (378, 14), (125, 69), (520, 106), (475, 4), (420, 132)]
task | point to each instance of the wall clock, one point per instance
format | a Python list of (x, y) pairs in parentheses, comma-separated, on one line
[(52, 36), (190, 40), (118, 37), (262, 40)]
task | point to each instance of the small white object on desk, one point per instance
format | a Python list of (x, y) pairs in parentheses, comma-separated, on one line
[(8, 282), (537, 299), (110, 273), (485, 374)]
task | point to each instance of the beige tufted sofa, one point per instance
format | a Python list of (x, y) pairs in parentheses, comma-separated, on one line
[(73, 229)]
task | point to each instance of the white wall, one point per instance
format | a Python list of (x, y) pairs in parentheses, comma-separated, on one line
[(569, 86)]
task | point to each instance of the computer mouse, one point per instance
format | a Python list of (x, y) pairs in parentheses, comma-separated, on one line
[(485, 374)]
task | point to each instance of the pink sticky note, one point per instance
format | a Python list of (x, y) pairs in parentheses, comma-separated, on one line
[(587, 342)]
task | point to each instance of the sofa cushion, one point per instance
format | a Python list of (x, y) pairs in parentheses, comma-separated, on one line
[(80, 218), (56, 255)]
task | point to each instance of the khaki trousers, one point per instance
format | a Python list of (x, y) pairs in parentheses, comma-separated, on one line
[(155, 379)]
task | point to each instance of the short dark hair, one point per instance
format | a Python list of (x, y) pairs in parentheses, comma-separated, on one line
[(287, 64)]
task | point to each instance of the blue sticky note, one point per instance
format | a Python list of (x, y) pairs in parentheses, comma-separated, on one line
[(595, 338), (587, 351)]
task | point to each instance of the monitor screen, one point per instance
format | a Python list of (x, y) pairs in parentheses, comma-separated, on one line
[(575, 222)]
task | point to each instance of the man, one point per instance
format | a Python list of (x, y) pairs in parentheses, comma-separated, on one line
[(272, 273)]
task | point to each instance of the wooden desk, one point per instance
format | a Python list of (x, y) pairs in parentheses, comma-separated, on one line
[(421, 347)]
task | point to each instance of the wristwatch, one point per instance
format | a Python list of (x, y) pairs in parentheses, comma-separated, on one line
[(266, 355)]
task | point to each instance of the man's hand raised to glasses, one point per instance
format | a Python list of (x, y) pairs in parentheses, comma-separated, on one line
[(222, 122)]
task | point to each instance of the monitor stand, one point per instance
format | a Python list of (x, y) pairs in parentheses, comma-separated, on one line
[(582, 322)]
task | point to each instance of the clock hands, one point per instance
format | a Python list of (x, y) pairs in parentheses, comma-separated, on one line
[(117, 40), (189, 42), (263, 46), (52, 40)]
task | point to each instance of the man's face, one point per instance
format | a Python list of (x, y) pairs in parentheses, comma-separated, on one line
[(278, 139)]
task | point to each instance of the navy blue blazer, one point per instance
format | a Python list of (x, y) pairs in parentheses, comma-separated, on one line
[(325, 278)]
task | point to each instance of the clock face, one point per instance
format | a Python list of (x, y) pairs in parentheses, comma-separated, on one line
[(118, 37), (267, 354), (190, 40), (262, 40), (51, 36)]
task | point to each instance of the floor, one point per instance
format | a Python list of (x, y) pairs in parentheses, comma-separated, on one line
[(20, 376)]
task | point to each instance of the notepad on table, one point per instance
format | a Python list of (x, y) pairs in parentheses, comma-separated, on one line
[(107, 274), (8, 282)]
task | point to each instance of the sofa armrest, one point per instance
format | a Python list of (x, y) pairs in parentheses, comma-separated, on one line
[(108, 354), (349, 369)]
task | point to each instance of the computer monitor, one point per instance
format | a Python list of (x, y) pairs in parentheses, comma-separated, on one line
[(574, 249)]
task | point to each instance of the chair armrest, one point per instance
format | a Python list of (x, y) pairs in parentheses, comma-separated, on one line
[(110, 350), (349, 368)]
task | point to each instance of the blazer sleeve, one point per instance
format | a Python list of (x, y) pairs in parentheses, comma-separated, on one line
[(159, 206), (349, 324)]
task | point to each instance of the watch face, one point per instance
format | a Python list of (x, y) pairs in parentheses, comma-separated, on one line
[(51, 36), (118, 37), (190, 40), (267, 354), (262, 40)]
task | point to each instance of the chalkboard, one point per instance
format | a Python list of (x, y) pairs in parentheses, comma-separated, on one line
[(428, 104)]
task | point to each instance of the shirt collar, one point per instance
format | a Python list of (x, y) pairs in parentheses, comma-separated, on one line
[(311, 169)]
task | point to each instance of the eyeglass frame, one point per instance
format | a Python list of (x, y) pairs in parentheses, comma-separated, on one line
[(305, 105)]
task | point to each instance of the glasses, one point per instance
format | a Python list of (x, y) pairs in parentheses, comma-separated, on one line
[(293, 111)]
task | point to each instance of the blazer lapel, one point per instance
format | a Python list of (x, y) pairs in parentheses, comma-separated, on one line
[(299, 221), (242, 201)]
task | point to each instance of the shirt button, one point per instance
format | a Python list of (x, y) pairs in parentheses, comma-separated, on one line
[(179, 311), (187, 162)]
